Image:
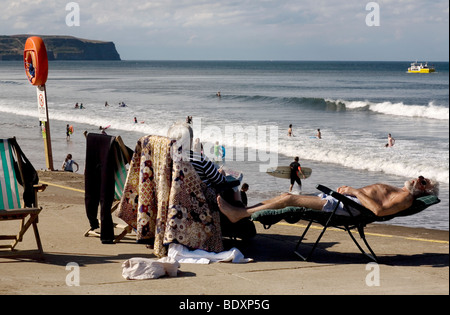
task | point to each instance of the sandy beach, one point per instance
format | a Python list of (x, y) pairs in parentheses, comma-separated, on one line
[(412, 261)]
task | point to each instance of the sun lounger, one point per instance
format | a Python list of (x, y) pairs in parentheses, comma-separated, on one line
[(326, 219), (16, 169)]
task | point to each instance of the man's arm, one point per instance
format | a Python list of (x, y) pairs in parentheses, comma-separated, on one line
[(301, 172)]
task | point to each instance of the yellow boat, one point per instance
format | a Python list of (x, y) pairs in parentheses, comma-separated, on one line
[(420, 68)]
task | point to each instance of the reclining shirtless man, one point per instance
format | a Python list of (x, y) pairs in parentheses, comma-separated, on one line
[(381, 199)]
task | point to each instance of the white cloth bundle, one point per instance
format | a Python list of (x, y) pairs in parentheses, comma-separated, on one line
[(145, 268)]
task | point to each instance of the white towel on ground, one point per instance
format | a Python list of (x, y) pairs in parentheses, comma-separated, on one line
[(198, 256)]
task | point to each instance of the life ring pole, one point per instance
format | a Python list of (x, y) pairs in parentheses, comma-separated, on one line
[(36, 70), (45, 125)]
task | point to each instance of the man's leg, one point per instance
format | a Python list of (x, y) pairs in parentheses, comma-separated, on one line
[(292, 184), (235, 214)]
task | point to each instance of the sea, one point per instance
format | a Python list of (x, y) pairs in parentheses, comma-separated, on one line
[(354, 104)]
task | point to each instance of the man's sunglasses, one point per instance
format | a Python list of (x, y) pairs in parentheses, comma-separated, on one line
[(422, 180)]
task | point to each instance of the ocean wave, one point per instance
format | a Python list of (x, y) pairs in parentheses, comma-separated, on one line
[(430, 111), (9, 82), (360, 153)]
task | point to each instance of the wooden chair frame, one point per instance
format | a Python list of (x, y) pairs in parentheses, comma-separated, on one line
[(28, 216)]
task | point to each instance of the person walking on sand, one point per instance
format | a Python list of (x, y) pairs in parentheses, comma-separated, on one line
[(296, 168), (68, 164)]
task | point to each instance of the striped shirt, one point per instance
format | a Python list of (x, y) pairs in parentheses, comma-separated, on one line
[(206, 169)]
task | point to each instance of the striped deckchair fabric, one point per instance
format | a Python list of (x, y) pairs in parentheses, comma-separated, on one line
[(120, 174), (10, 196), (14, 162)]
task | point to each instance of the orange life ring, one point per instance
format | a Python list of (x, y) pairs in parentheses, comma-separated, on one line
[(35, 60)]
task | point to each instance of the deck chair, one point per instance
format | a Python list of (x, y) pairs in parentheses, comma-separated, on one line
[(16, 169), (326, 219), (122, 156)]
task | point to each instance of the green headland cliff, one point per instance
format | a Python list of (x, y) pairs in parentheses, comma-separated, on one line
[(60, 48)]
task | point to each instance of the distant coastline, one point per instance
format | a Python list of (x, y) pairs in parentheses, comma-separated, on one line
[(60, 48)]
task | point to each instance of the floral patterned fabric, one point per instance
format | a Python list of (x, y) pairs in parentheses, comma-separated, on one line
[(193, 216), (166, 210), (146, 193)]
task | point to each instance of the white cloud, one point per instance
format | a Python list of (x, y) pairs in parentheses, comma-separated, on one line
[(261, 28)]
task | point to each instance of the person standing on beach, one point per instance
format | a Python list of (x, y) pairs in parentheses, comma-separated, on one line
[(222, 153), (68, 132), (216, 151), (295, 170)]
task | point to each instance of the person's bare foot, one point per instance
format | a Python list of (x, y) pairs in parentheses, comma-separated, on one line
[(233, 213)]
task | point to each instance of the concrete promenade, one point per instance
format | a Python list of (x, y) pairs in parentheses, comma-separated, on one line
[(412, 261)]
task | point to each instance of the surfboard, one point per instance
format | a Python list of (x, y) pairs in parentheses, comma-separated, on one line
[(285, 172)]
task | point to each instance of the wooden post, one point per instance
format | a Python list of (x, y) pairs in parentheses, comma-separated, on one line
[(45, 125)]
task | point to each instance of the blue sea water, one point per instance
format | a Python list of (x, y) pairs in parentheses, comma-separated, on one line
[(355, 105)]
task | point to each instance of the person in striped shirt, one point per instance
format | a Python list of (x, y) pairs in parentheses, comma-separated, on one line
[(206, 169), (209, 174)]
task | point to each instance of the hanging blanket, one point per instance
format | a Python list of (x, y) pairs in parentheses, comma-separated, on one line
[(193, 218), (146, 193), (169, 206)]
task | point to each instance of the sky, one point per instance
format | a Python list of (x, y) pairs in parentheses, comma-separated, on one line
[(384, 30)]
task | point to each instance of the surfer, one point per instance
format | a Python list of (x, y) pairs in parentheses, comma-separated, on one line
[(381, 199), (319, 134), (296, 168)]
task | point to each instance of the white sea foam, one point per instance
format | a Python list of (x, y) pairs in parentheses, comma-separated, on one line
[(354, 129), (430, 111)]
